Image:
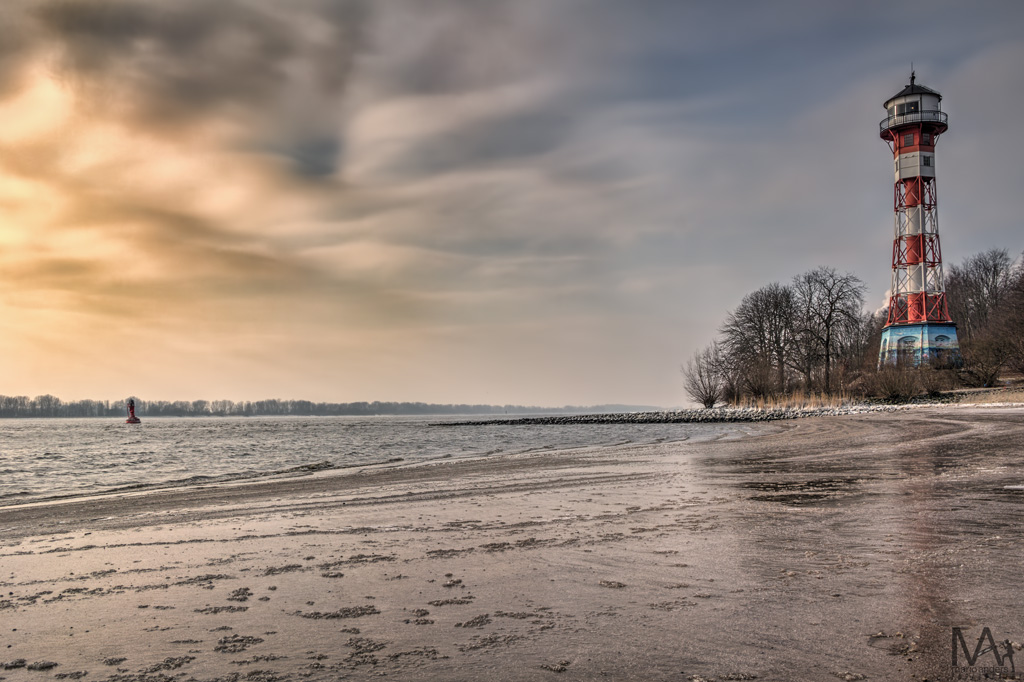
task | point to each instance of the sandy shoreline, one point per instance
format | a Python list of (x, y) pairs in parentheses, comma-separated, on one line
[(825, 548)]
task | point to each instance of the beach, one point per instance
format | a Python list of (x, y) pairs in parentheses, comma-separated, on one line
[(842, 547)]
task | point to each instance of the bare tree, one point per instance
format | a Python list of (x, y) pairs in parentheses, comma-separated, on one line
[(1011, 321), (829, 314), (986, 300), (857, 350), (758, 338), (976, 288), (985, 357), (701, 375), (48, 405)]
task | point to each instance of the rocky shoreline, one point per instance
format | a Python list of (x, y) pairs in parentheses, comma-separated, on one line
[(702, 416)]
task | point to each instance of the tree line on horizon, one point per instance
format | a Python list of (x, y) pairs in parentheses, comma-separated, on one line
[(52, 406), (813, 336)]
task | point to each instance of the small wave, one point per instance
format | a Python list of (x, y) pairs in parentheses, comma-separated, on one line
[(317, 466), (196, 480), (120, 485)]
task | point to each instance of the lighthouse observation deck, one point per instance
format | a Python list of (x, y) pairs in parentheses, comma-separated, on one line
[(897, 120)]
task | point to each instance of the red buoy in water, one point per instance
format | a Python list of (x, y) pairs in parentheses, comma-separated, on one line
[(132, 419)]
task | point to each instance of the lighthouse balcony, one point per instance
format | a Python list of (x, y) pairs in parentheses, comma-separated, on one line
[(897, 120)]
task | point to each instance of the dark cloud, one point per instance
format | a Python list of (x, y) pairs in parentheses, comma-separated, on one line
[(490, 140), (276, 73), (50, 273), (172, 64), (201, 250), (460, 46), (17, 41), (315, 157)]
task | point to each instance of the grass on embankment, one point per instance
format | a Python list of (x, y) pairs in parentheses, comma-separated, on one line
[(800, 401)]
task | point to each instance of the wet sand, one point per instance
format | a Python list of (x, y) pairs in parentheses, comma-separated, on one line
[(824, 548)]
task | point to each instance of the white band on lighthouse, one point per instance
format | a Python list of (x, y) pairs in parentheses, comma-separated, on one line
[(915, 164)]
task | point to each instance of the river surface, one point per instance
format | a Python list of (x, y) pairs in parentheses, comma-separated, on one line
[(42, 458)]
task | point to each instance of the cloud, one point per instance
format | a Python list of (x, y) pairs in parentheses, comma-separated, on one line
[(274, 76), (457, 200)]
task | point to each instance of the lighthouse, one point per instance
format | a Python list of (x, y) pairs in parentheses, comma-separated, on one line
[(918, 329)]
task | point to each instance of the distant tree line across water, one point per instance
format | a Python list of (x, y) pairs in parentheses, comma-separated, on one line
[(51, 406)]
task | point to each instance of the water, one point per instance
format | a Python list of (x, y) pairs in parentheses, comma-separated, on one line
[(42, 458)]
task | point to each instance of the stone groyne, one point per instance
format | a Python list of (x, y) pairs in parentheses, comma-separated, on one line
[(701, 416)]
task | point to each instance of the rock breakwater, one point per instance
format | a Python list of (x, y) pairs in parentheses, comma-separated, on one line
[(702, 415)]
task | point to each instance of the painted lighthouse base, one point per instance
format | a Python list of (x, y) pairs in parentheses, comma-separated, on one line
[(919, 344)]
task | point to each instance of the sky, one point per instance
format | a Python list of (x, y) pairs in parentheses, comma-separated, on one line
[(514, 201)]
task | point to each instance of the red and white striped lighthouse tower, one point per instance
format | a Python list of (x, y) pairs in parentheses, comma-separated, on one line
[(918, 328)]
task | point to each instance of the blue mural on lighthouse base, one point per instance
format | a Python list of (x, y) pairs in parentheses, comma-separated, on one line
[(920, 344)]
